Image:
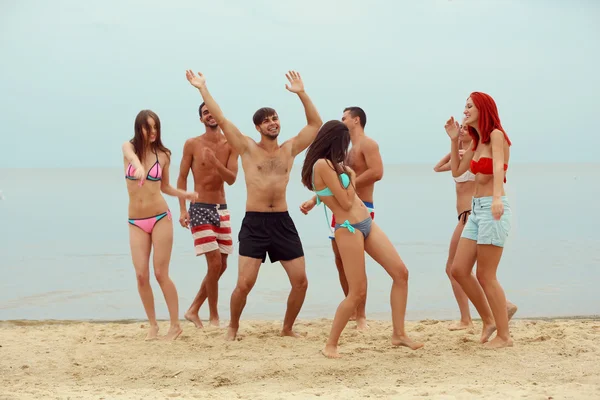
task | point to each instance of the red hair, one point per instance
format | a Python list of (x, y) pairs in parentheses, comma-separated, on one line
[(488, 119)]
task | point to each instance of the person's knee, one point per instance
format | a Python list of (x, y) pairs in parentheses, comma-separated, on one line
[(213, 259), (143, 278), (484, 279), (358, 294), (400, 274), (449, 268), (300, 284), (160, 275), (458, 271), (244, 286), (213, 274)]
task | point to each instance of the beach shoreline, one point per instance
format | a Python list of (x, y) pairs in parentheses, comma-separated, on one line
[(552, 358), (51, 321)]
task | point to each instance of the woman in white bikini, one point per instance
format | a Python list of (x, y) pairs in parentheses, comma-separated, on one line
[(465, 185)]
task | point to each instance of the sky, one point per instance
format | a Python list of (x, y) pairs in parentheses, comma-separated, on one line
[(74, 74)]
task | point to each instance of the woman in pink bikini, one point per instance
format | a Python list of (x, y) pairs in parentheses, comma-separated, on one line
[(150, 225), (489, 224)]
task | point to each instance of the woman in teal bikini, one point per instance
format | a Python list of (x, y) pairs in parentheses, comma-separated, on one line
[(150, 223), (324, 173)]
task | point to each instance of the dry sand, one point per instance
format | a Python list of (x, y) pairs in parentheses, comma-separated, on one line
[(552, 359)]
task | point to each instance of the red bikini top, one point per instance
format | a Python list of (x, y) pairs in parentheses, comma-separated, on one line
[(485, 166)]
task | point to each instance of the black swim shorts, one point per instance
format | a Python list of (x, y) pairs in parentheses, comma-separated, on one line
[(269, 232)]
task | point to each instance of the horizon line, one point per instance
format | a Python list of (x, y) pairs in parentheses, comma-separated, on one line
[(296, 164)]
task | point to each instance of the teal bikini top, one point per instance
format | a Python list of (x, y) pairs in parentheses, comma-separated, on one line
[(326, 191)]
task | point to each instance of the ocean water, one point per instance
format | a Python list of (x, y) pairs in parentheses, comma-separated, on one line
[(64, 251)]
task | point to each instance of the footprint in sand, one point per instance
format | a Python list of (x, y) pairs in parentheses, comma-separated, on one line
[(214, 333), (542, 338), (221, 381), (558, 333)]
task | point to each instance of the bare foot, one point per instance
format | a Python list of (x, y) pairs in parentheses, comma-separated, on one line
[(361, 324), (215, 322), (174, 332), (511, 309), (231, 334), (498, 343), (152, 333), (330, 352), (406, 341), (487, 331), (286, 332), (461, 325), (194, 318)]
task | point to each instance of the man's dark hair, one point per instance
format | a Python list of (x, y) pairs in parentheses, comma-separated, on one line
[(200, 109), (358, 112), (262, 113)]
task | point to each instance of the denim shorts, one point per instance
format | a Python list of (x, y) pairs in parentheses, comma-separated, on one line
[(481, 225)]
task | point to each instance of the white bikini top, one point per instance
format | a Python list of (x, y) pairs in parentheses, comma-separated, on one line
[(467, 176)]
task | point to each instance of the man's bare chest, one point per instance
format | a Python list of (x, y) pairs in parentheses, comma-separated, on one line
[(355, 159), (202, 153)]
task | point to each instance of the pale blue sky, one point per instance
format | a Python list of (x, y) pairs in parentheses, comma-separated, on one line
[(75, 73)]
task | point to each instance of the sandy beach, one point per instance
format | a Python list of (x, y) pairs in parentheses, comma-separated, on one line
[(551, 359)]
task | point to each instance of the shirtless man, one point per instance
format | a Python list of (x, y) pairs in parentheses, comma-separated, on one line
[(213, 162), (364, 158), (267, 226)]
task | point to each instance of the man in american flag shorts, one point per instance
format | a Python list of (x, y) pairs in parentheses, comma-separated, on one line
[(211, 228), (212, 162)]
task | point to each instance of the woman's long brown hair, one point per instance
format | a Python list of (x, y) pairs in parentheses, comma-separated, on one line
[(331, 143), (139, 141)]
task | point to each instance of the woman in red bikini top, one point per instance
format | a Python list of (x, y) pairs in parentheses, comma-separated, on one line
[(488, 226), (146, 161)]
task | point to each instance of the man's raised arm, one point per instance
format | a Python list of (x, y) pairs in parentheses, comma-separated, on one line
[(313, 120), (237, 140)]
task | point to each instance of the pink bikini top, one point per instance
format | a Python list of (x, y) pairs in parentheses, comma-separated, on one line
[(155, 173)]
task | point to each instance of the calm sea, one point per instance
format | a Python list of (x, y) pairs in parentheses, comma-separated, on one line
[(64, 251)]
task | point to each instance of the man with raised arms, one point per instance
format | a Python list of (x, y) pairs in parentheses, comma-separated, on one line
[(267, 226)]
